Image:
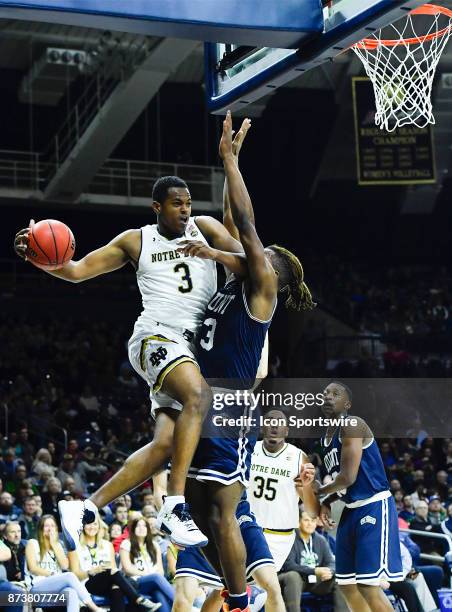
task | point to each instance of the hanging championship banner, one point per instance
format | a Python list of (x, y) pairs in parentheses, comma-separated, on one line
[(402, 157)]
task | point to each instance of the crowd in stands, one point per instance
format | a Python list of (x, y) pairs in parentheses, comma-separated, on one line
[(125, 559), (107, 418), (414, 300)]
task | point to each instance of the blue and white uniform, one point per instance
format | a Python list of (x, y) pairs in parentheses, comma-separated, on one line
[(192, 563), (229, 351), (367, 541)]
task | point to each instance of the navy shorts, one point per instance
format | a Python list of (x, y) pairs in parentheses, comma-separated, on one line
[(367, 544), (192, 563), (224, 450)]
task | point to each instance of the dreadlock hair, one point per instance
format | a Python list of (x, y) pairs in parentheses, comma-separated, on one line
[(291, 277), (161, 186)]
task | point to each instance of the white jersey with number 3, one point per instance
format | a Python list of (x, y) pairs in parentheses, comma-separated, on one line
[(175, 289), (272, 494)]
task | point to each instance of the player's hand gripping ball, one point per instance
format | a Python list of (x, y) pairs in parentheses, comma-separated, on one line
[(49, 244)]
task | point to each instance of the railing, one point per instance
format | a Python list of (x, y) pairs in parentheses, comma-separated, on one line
[(94, 96), (123, 180), (21, 170), (429, 535)]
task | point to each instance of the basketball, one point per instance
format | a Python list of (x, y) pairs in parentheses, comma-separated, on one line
[(51, 244)]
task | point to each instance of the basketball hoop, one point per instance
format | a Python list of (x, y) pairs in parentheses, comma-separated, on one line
[(401, 61)]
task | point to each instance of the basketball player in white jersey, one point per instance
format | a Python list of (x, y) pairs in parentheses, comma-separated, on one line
[(175, 290), (275, 487)]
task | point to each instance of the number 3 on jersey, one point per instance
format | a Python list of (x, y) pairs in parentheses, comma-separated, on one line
[(208, 332), (185, 278)]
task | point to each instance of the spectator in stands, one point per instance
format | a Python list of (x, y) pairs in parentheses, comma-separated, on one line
[(8, 511), (387, 455), (433, 574), (407, 512), (45, 563), (420, 492), (52, 450), (398, 498), (43, 462), (115, 530), (147, 497), (421, 523), (441, 485), (89, 468), (29, 519), (24, 489), (436, 512), (446, 524), (310, 567), (13, 484), (74, 450), (69, 487), (8, 465), (24, 449), (51, 496), (120, 514), (413, 590), (395, 485), (5, 585), (141, 559), (149, 511), (38, 500), (89, 401), (15, 565), (67, 470), (93, 562)]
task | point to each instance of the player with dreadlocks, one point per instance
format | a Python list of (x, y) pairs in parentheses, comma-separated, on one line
[(231, 340)]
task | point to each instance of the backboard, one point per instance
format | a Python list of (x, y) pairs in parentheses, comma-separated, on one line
[(238, 75)]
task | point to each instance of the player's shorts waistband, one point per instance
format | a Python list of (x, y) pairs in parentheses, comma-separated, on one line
[(363, 502), (284, 532)]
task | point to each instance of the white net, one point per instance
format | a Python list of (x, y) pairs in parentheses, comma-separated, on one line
[(401, 61)]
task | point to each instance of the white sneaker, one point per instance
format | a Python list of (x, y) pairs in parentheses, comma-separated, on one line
[(73, 515), (258, 598), (180, 527), (152, 606)]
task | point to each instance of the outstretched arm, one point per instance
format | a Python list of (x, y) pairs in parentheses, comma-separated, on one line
[(228, 220), (261, 276), (112, 256)]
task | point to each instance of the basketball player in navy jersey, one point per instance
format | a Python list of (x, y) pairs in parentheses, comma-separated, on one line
[(232, 338), (367, 542)]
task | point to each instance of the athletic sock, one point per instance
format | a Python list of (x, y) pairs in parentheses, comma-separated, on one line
[(173, 500), (240, 601)]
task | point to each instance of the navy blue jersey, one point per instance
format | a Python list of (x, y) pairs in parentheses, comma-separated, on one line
[(371, 478), (231, 339)]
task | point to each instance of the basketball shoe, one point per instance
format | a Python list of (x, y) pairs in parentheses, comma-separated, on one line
[(75, 514), (176, 521)]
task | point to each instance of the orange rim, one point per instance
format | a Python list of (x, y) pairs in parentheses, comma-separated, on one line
[(426, 9)]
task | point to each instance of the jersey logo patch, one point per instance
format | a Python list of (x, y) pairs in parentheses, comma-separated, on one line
[(194, 232), (158, 356), (244, 519), (368, 519)]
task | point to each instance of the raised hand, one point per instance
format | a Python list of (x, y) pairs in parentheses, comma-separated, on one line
[(225, 148), (240, 137)]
